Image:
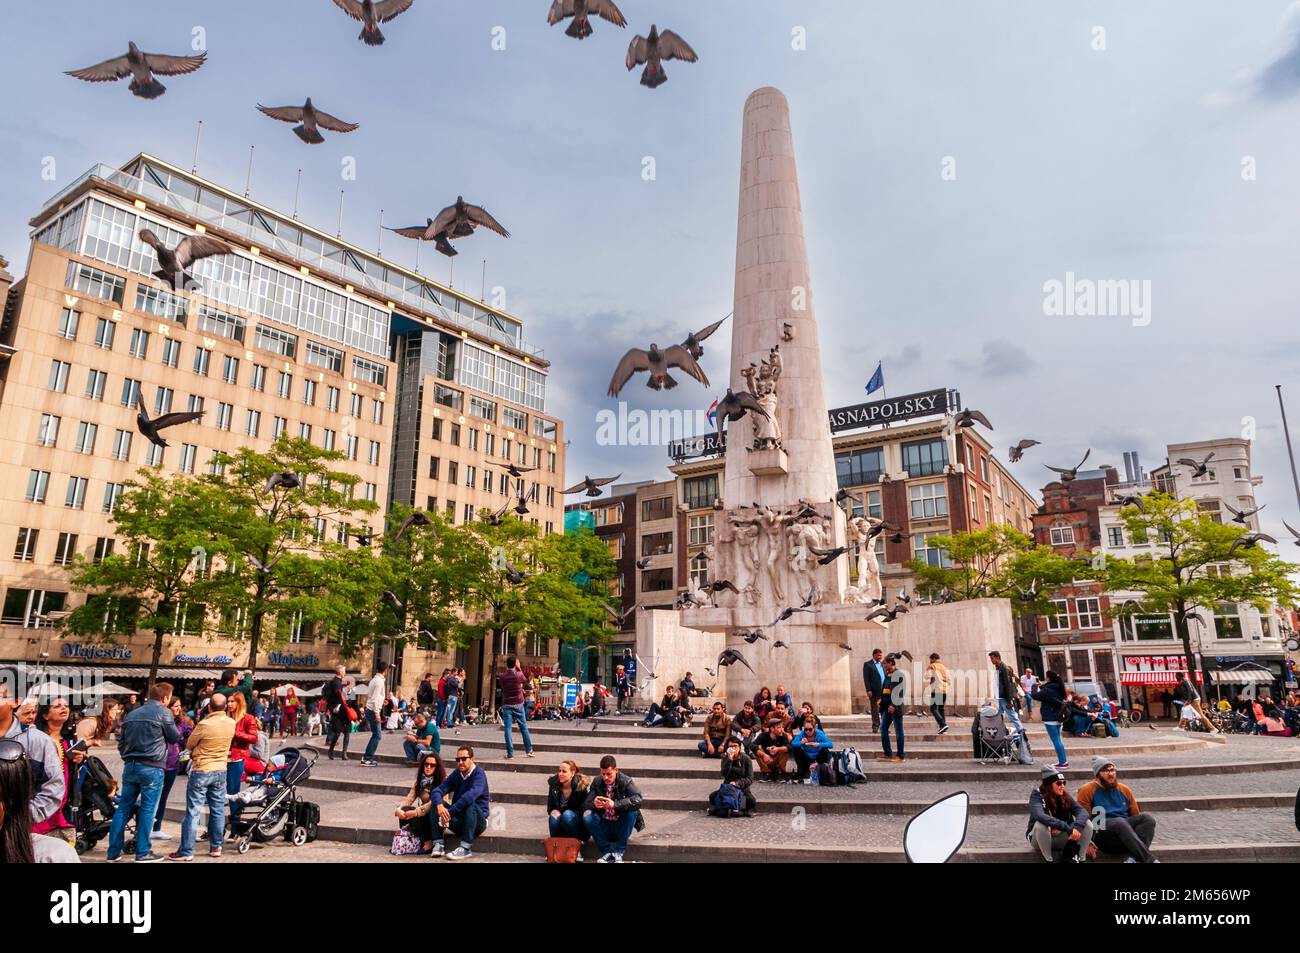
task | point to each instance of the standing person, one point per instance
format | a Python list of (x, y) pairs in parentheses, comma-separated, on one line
[(48, 788), (209, 746), (289, 724), (1167, 700), (441, 693), (772, 749), (513, 685), (470, 807), (1005, 687), (1122, 828), (1186, 693), (416, 811), (717, 729), (462, 710), (1058, 825), (612, 811), (18, 843), (738, 771), (452, 687), (1029, 685), (1052, 701), (376, 693), (873, 676), (52, 718), (233, 683), (246, 735), (173, 765), (622, 689), (893, 704), (937, 673), (336, 707), (425, 695), (146, 732), (566, 797)]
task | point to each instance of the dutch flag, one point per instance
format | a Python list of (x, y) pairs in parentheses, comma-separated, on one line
[(712, 413)]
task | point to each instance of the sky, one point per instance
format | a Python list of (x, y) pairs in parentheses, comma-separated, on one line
[(1155, 143)]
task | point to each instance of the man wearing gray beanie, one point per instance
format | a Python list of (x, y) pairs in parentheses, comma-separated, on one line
[(1121, 827)]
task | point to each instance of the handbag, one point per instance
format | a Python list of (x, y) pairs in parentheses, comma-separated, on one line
[(562, 850), (405, 843)]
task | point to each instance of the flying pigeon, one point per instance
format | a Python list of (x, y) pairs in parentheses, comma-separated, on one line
[(906, 654), (1241, 516), (969, 418), (581, 11), (720, 585), (1199, 469), (692, 342), (388, 598), (889, 615), (1130, 500), (150, 426), (287, 480), (904, 598), (643, 563), (371, 14), (517, 471), (652, 50), (417, 518), (591, 484), (753, 636), (521, 507), (459, 220), (257, 564), (494, 519), (734, 406), (426, 233), (1018, 451), (658, 363), (141, 67), (308, 118), (897, 537), (730, 657), (616, 615), (1251, 540), (778, 644), (828, 556), (711, 671), (845, 646), (173, 262), (786, 613), (1070, 474), (514, 576), (364, 537)]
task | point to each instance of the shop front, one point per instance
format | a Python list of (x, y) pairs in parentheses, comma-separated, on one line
[(1246, 676), (1150, 680)]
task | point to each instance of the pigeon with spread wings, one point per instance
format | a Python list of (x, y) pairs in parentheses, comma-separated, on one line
[(149, 426), (730, 657), (172, 262), (692, 342), (1251, 540), (285, 480), (1018, 451), (371, 14), (1199, 467), (582, 11), (591, 484), (1242, 516), (658, 363), (310, 120), (417, 518), (969, 418), (141, 67), (1070, 474), (734, 406), (460, 219), (426, 233), (652, 50)]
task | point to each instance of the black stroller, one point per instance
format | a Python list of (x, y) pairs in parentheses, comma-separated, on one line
[(995, 742), (272, 805), (92, 806)]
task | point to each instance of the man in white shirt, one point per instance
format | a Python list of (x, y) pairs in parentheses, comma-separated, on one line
[(375, 696), (1029, 685)]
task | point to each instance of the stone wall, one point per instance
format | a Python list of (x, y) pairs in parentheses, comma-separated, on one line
[(671, 650)]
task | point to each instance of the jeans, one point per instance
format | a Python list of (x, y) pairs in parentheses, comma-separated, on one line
[(450, 711), (936, 710), (1007, 708), (415, 750), (440, 712), (1054, 732), (204, 787), (568, 824), (509, 714), (610, 836), (234, 779), (1050, 842), (169, 778), (1029, 705), (896, 719), (376, 735), (466, 824), (1127, 835), (719, 746), (805, 761), (142, 784)]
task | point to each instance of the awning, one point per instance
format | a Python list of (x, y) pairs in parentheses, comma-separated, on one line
[(79, 673), (1241, 678), (1153, 678)]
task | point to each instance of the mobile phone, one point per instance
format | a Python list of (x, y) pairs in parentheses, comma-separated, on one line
[(79, 747)]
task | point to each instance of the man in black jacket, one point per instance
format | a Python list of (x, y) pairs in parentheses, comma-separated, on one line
[(738, 771), (337, 713), (612, 811), (1005, 687), (146, 733), (873, 676)]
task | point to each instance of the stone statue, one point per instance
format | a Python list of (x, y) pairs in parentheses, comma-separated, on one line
[(801, 535), (746, 536), (762, 382), (772, 523), (869, 587)]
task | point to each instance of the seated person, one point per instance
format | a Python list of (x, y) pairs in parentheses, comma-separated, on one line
[(1075, 718), (1272, 723), (772, 749), (613, 810), (737, 771), (805, 711), (746, 725), (667, 713), (810, 746), (1126, 830), (1058, 825), (422, 737), (782, 714), (415, 810), (566, 798), (763, 703), (717, 729), (1101, 712)]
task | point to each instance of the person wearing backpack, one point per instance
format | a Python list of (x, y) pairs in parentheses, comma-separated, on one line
[(1051, 697), (734, 797)]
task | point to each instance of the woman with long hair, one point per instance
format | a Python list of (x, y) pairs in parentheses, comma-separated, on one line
[(1058, 826), (173, 763), (18, 845), (415, 812), (289, 723), (97, 729), (246, 729), (52, 718), (1051, 697), (565, 800), (763, 703)]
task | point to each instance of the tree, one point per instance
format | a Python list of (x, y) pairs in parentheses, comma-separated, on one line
[(999, 561), (271, 538), (1193, 567), (163, 569)]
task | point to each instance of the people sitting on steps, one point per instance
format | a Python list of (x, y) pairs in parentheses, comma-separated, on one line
[(612, 811), (566, 800), (772, 749), (416, 812), (467, 816), (667, 714), (810, 746), (717, 729), (1120, 825), (1058, 825), (737, 776)]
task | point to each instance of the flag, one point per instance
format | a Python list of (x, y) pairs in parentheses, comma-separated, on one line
[(877, 379), (712, 413)]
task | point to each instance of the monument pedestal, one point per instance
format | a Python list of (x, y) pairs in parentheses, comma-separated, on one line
[(768, 462)]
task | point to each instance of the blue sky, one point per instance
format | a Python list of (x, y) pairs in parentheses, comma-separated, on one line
[(1115, 163)]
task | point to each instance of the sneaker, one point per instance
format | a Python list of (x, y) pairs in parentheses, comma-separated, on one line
[(150, 858), (181, 858), (112, 860), (607, 859), (369, 764), (531, 755), (439, 849), (616, 858), (1130, 860), (460, 853), (161, 835), (578, 859), (897, 759), (214, 851), (510, 757), (1062, 766), (944, 729)]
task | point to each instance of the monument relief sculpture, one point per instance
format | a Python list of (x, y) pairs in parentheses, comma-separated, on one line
[(762, 381)]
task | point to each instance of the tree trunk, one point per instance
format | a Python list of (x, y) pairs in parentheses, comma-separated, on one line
[(254, 636), (153, 662), (1185, 634)]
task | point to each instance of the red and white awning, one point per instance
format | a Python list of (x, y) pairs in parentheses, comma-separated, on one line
[(1153, 678)]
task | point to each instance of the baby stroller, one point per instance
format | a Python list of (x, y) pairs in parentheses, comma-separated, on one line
[(279, 809), (92, 806), (995, 742)]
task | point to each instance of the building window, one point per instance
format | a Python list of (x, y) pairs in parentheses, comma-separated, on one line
[(105, 330), (928, 500), (69, 321), (376, 411), (25, 547), (202, 358), (859, 467), (433, 468), (258, 380), (112, 493), (699, 530), (304, 431), (925, 551), (283, 385), (372, 493), (224, 414), (471, 439), (188, 453), (194, 404), (171, 352), (350, 443), (454, 437), (656, 544), (469, 476), (699, 492), (162, 400), (65, 550), (103, 547), (925, 457), (355, 406), (95, 283), (309, 393), (38, 482), (453, 472), (479, 407), (657, 509), (95, 381), (373, 458), (1227, 621), (656, 580), (332, 399), (468, 515), (1115, 537), (76, 496), (139, 343), (1060, 620), (122, 444), (1210, 508), (276, 341), (1062, 535), (59, 376), (253, 423), (47, 434), (230, 369), (1089, 610), (278, 426), (86, 434), (329, 358)]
